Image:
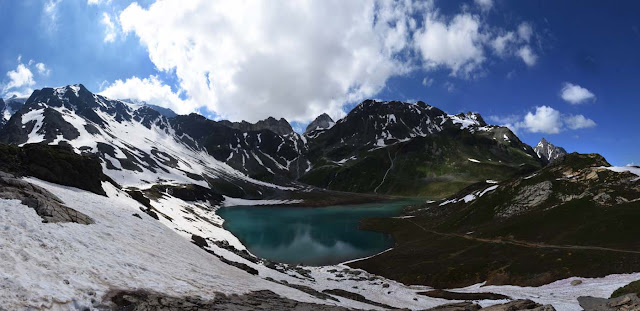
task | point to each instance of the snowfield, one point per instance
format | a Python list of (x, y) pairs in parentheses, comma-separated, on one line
[(62, 266)]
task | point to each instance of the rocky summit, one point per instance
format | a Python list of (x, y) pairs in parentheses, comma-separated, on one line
[(548, 152)]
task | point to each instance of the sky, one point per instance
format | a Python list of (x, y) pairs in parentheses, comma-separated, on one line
[(568, 71)]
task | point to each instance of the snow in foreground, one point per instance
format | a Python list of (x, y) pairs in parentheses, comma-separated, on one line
[(63, 266)]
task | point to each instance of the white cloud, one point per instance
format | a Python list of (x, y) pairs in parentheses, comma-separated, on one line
[(527, 55), (544, 120), (457, 45), (20, 77), (42, 69), (246, 59), (109, 28), (502, 44), (50, 14), (525, 31), (484, 5), (450, 87), (427, 81), (576, 94), (579, 122), (98, 2), (151, 90)]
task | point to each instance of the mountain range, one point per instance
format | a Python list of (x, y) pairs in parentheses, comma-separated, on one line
[(493, 209), (416, 149)]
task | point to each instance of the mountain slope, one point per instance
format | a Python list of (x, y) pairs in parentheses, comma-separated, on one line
[(413, 149), (379, 147), (136, 145), (575, 217)]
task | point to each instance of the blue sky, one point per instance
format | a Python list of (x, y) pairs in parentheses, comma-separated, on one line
[(248, 61)]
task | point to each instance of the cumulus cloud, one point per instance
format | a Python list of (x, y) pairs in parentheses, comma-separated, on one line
[(297, 58), (42, 69), (579, 122), (20, 77), (484, 5), (109, 28), (544, 120), (575, 94), (457, 45), (151, 90), (247, 59)]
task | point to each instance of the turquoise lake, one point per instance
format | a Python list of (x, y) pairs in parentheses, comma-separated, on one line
[(310, 236)]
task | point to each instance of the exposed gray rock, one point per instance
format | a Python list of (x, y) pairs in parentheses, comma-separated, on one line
[(259, 300), (527, 198), (548, 152), (323, 121), (629, 302), (576, 282), (460, 306), (280, 127), (520, 304), (46, 204), (355, 297)]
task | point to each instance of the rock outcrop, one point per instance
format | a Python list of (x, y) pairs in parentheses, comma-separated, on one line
[(46, 204), (629, 302)]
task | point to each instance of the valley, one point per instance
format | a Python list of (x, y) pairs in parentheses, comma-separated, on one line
[(366, 212)]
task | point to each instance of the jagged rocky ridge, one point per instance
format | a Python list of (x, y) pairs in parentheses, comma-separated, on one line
[(403, 143)]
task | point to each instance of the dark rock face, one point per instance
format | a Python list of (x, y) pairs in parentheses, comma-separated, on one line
[(280, 127), (521, 304), (199, 241), (57, 164), (262, 154), (459, 306), (46, 205), (439, 293), (322, 122), (9, 107), (548, 152), (258, 300)]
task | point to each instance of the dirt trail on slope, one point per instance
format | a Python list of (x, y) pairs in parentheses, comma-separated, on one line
[(524, 243)]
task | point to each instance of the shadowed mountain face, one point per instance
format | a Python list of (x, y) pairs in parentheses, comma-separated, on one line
[(379, 147)]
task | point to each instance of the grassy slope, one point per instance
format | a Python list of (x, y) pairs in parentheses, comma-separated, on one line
[(436, 166), (424, 257)]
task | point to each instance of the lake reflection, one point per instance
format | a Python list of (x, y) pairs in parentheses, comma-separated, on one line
[(311, 236)]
